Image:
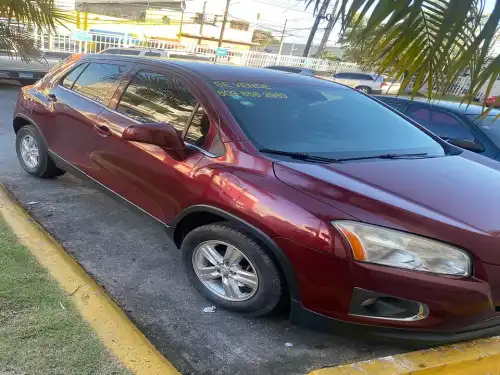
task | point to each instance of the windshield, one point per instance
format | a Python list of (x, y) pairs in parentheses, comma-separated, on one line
[(490, 125), (328, 121)]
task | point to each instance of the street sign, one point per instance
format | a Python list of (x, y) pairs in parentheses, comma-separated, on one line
[(221, 52), (83, 36)]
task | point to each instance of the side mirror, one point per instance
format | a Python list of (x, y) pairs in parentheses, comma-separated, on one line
[(160, 134), (467, 144)]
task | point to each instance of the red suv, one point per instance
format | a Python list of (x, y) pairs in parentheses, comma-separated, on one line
[(279, 187)]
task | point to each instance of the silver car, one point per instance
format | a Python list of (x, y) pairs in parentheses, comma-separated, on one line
[(369, 83)]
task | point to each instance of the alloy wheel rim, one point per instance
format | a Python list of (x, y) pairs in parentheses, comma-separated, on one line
[(29, 151), (225, 271)]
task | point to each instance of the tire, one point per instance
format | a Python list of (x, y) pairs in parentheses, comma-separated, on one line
[(364, 89), (44, 167), (269, 290)]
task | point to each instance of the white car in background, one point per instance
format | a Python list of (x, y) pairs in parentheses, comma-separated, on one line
[(369, 83), (390, 86)]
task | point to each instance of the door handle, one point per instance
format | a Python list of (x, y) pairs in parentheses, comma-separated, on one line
[(103, 130)]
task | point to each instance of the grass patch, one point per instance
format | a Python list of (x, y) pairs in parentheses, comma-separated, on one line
[(40, 330)]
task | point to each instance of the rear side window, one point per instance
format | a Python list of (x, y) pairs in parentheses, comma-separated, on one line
[(112, 51), (129, 52), (154, 97), (440, 123), (70, 79), (364, 77), (152, 54), (98, 79)]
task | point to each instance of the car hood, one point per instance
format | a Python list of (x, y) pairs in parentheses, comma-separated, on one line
[(453, 198)]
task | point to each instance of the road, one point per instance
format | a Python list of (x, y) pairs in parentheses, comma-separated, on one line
[(133, 259)]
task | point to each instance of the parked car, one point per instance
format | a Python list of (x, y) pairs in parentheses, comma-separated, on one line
[(459, 124), (156, 52), (302, 71), (492, 101), (279, 187), (369, 83), (390, 86)]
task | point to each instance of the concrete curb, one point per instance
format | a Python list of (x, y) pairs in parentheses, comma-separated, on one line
[(479, 357), (110, 323)]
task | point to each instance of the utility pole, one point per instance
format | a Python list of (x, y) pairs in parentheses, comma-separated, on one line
[(202, 21), (282, 37), (329, 28), (224, 21), (319, 17)]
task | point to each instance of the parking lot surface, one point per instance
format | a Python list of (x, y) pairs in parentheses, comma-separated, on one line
[(133, 259)]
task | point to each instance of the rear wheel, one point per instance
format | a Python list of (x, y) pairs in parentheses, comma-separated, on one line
[(33, 155), (229, 268), (364, 89)]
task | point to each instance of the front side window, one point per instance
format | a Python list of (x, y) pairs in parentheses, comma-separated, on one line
[(198, 128), (154, 97), (440, 123), (490, 125), (327, 120), (98, 80)]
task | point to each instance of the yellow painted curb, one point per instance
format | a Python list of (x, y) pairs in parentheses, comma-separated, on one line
[(110, 323), (479, 357)]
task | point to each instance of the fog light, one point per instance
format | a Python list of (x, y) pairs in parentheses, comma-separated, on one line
[(381, 306)]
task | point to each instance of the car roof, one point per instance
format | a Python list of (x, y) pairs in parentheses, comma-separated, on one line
[(226, 72), (456, 107)]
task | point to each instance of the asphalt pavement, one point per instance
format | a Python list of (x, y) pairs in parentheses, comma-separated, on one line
[(134, 260)]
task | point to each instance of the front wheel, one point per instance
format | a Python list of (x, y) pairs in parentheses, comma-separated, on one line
[(33, 155), (229, 268)]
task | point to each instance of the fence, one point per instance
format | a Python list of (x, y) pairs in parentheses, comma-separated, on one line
[(100, 42)]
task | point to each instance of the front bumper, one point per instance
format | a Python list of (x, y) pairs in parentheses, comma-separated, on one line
[(458, 308), (410, 337)]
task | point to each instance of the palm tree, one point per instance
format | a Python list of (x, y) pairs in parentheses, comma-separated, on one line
[(427, 42), (21, 18)]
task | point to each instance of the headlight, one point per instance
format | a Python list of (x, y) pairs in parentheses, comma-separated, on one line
[(398, 249)]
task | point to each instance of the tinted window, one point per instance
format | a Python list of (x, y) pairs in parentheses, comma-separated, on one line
[(490, 125), (364, 77), (440, 123), (398, 107), (198, 129), (152, 54), (324, 120), (70, 79), (320, 73), (153, 97), (112, 51), (129, 52), (341, 75), (97, 80)]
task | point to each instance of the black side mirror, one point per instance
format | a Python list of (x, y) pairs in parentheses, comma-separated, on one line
[(467, 144)]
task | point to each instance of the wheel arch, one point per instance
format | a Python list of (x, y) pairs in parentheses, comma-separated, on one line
[(18, 122), (199, 215)]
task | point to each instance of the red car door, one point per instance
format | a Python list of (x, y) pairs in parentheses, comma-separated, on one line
[(144, 174), (76, 101)]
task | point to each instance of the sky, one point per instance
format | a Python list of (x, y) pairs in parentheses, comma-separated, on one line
[(273, 14)]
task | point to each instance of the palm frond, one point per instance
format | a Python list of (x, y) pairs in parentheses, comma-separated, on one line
[(427, 42)]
